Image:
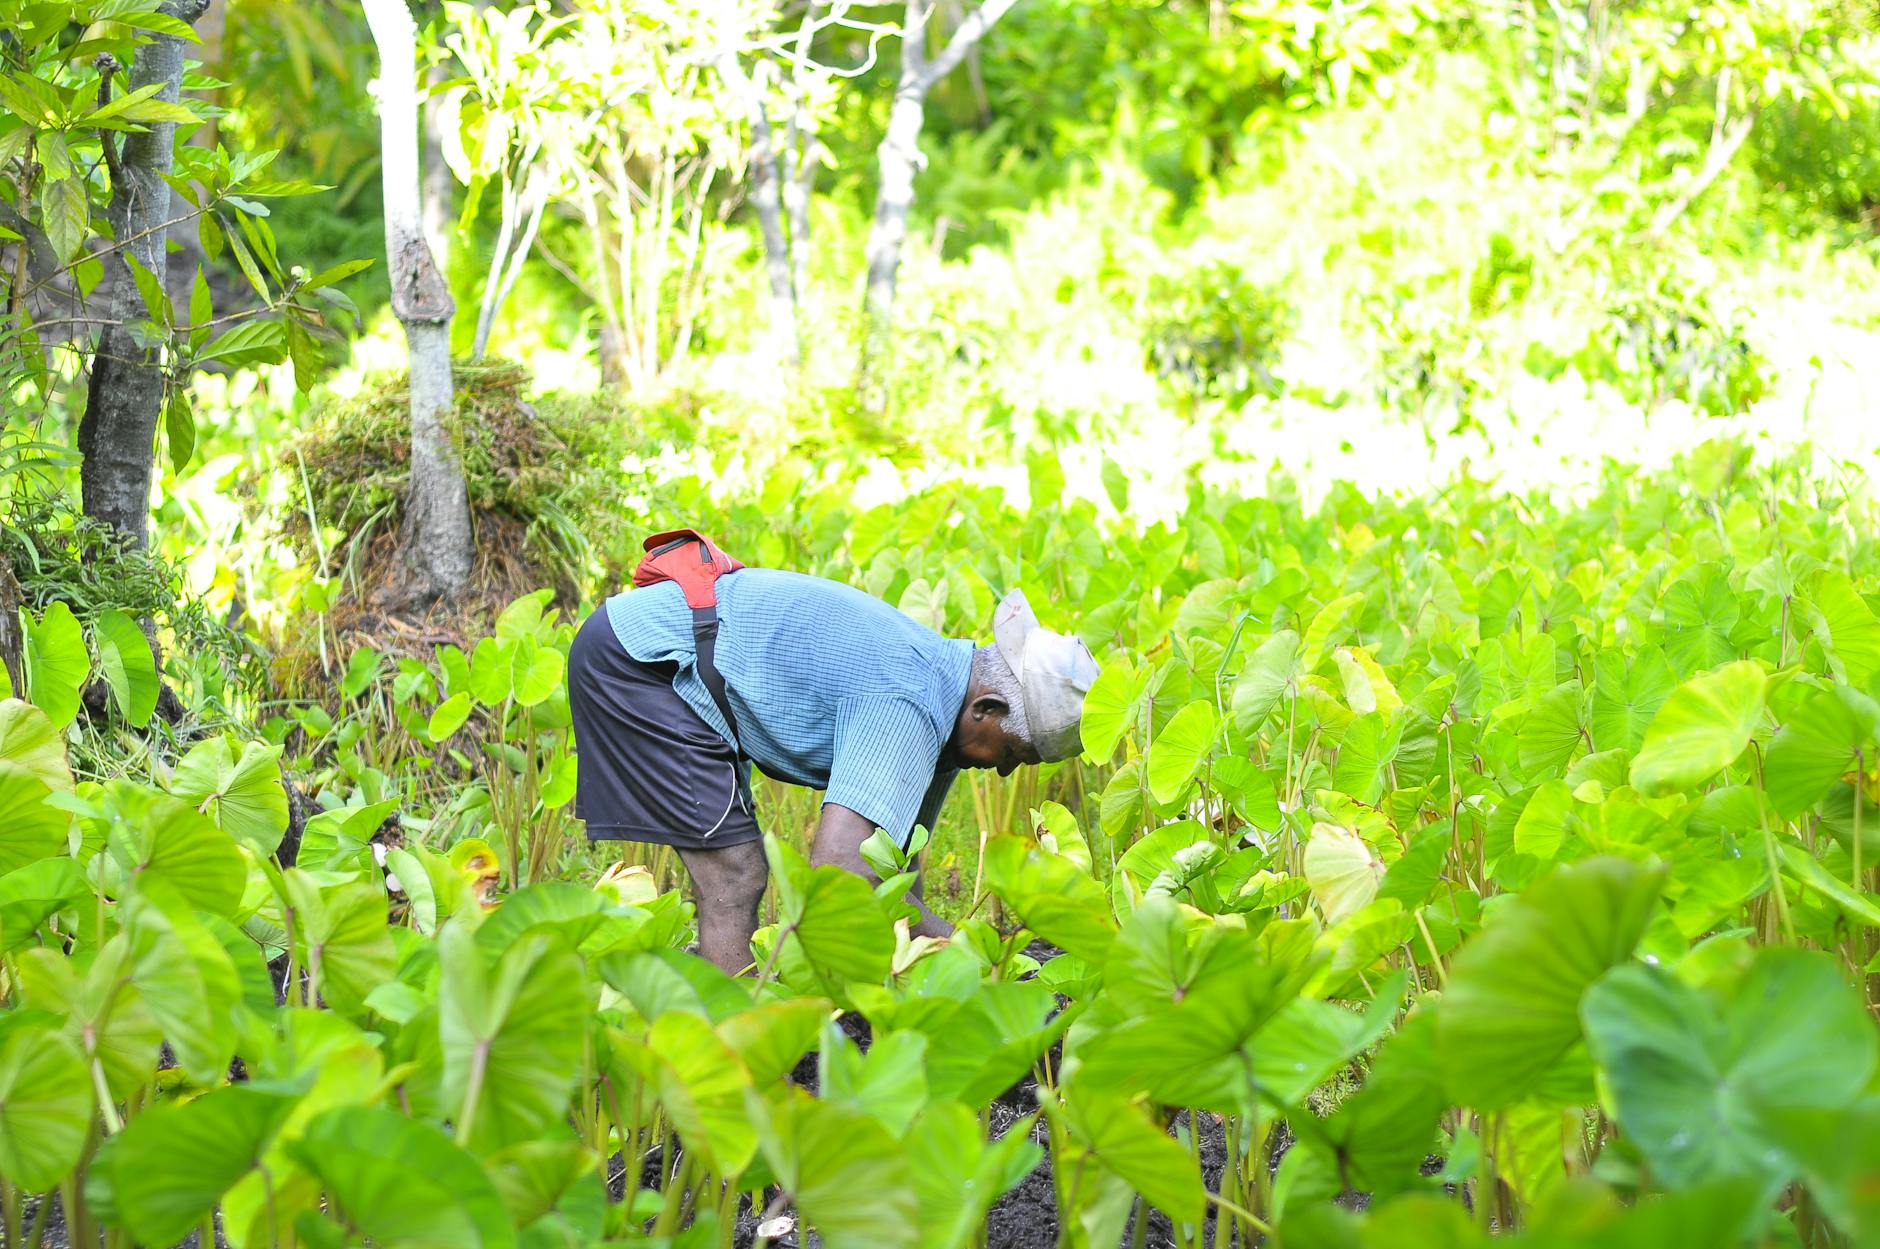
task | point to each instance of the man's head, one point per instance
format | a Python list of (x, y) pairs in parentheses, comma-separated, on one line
[(1025, 698)]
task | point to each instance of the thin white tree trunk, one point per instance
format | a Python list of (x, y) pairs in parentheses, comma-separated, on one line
[(438, 550), (506, 264), (767, 199), (899, 159)]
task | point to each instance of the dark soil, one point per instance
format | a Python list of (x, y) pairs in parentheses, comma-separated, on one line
[(57, 1237)]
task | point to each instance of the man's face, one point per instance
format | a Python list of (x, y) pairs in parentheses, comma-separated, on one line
[(982, 742)]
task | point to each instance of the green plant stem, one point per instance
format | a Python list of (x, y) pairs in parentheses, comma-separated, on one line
[(1201, 1177), (1775, 867), (36, 1234), (10, 1211), (107, 1105), (466, 1117), (290, 983), (1138, 1224), (1247, 1216), (1436, 960), (770, 960), (677, 1190), (727, 1214)]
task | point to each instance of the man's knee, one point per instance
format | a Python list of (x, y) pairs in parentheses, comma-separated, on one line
[(734, 876)]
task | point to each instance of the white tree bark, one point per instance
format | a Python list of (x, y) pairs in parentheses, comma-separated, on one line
[(899, 159), (438, 547), (767, 199)]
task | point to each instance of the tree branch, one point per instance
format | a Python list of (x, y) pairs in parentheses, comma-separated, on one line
[(970, 31), (1721, 153)]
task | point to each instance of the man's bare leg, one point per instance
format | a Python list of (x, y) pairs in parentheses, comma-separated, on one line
[(727, 886), (839, 838)]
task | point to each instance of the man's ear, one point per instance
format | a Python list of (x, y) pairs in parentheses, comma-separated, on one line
[(990, 704)]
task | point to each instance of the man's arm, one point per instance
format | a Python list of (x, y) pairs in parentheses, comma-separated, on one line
[(839, 838)]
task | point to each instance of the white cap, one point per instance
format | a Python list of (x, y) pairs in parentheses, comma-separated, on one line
[(1054, 673)]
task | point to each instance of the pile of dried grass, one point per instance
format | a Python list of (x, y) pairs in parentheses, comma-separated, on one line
[(538, 487)]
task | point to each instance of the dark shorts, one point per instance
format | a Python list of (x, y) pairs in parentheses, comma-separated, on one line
[(649, 768)]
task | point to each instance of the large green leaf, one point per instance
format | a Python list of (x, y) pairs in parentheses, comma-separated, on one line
[(1308, 1040), (1270, 669), (1147, 859), (1382, 1135), (1342, 870), (401, 1182), (888, 1083), (1552, 732), (1110, 709), (31, 894), (1184, 999), (1511, 1013), (770, 1038), (512, 1039), (1328, 627), (129, 667), (337, 838), (1701, 729), (56, 662), (1056, 899), (45, 1107), (991, 1042), (243, 796), (958, 1174), (103, 1009), (340, 933), (1699, 615), (1694, 1076), (850, 1178), (1826, 738), (830, 921), (1838, 1150), (188, 982), (535, 671), (1844, 625), (657, 981), (1178, 751), (30, 829), (1150, 1161), (702, 1085), (159, 841), (172, 1164), (1627, 693), (29, 739)]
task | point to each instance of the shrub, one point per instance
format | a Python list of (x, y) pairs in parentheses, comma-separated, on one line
[(1213, 332)]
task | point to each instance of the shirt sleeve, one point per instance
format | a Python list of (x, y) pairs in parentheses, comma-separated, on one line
[(885, 757), (929, 813)]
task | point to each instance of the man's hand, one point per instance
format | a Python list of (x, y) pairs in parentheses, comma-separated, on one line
[(839, 838)]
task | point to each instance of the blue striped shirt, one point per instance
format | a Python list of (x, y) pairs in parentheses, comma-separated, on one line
[(832, 688)]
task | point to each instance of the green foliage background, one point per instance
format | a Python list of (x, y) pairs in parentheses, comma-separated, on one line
[(1463, 484)]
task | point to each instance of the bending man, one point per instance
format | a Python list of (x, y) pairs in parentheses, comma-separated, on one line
[(828, 688)]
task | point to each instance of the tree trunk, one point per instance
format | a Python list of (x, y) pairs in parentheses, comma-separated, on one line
[(12, 639), (117, 435), (799, 180), (899, 159), (767, 199), (802, 150), (437, 540)]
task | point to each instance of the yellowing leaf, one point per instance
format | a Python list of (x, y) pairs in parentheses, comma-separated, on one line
[(1342, 870)]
